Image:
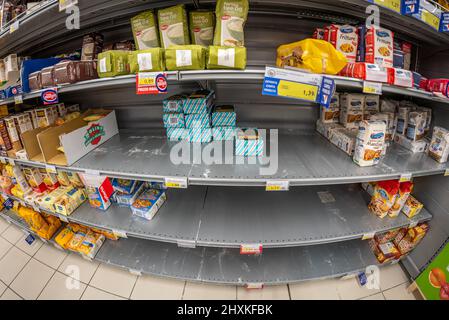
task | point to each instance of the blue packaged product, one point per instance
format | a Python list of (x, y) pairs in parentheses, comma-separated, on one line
[(416, 80), (361, 32), (127, 199), (223, 133), (174, 103), (125, 186), (174, 120), (199, 102), (177, 134), (148, 203), (398, 59), (198, 120)]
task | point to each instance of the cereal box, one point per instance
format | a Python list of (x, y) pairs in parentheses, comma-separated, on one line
[(345, 39), (127, 199), (384, 197), (148, 203), (379, 46), (439, 145), (370, 143), (124, 186)]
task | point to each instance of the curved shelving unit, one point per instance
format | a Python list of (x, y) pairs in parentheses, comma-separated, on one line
[(229, 217)]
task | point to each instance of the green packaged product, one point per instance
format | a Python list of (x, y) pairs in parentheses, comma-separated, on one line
[(202, 27), (226, 57), (190, 57), (146, 60), (173, 27), (144, 30), (112, 63), (231, 18)]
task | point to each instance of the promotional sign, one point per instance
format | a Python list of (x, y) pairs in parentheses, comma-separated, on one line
[(151, 83), (433, 282), (444, 22), (50, 96), (429, 13), (400, 6), (298, 85)]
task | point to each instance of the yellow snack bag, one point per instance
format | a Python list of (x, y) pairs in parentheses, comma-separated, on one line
[(317, 56), (64, 237)]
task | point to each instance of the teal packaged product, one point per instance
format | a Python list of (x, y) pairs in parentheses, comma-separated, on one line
[(148, 203), (197, 120), (127, 199), (199, 102), (177, 134), (202, 135), (224, 116), (175, 120), (174, 103), (223, 133), (248, 143)]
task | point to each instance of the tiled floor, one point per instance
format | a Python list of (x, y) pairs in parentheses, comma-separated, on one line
[(40, 271)]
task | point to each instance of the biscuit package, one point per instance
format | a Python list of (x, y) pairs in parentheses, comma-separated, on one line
[(412, 207), (439, 145), (370, 143), (331, 114), (351, 109), (405, 188), (384, 197), (148, 203)]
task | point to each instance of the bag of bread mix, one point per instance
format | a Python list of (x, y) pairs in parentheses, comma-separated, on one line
[(226, 57), (384, 197), (405, 188), (173, 27), (144, 30), (146, 60), (202, 27), (231, 18)]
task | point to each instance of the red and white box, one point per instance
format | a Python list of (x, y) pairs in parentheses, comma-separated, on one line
[(379, 46), (438, 86), (365, 71), (344, 38), (400, 77)]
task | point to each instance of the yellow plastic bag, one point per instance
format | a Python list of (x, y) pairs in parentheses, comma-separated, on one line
[(317, 56)]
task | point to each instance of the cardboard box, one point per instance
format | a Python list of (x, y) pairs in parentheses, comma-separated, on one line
[(99, 190), (45, 117), (23, 124), (31, 144), (127, 199), (13, 135), (148, 203), (77, 137)]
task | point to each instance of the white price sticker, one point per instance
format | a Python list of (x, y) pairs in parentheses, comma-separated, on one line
[(66, 4), (405, 177), (254, 286), (14, 26), (120, 233), (51, 169), (251, 248), (176, 183), (277, 185), (368, 236), (18, 99), (372, 87), (135, 272)]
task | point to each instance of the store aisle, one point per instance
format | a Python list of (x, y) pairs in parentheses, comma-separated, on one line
[(40, 271)]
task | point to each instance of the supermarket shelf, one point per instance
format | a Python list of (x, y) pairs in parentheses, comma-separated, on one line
[(227, 266), (213, 217), (256, 74)]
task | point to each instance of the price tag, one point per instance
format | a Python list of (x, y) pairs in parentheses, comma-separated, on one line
[(413, 224), (251, 248), (14, 26), (11, 162), (18, 99), (92, 172), (405, 177), (51, 169), (254, 286), (2, 160), (368, 236), (63, 218), (372, 87), (65, 4), (151, 83), (135, 272), (446, 173), (277, 185), (120, 233), (430, 19), (176, 183)]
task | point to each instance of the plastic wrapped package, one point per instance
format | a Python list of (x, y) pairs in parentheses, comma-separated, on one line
[(226, 58), (201, 24), (231, 18), (112, 63), (146, 60), (145, 31), (173, 26), (189, 57)]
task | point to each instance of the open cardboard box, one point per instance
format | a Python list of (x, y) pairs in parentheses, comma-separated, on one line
[(77, 137)]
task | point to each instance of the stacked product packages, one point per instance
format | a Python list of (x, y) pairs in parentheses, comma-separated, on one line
[(223, 123), (173, 117)]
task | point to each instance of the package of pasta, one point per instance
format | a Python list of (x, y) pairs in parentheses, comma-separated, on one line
[(64, 237), (405, 188), (317, 56), (91, 243), (385, 193)]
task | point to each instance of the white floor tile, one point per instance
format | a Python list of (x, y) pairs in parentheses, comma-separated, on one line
[(32, 280), (10, 295), (76, 266), (50, 256), (391, 276), (315, 290), (200, 291), (11, 264), (2, 288), (95, 294), (377, 296), (399, 293), (3, 225), (267, 293), (350, 289), (29, 249), (4, 247), (113, 280), (153, 288), (12, 234), (62, 287)]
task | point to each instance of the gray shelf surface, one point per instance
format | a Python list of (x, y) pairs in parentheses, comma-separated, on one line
[(230, 217), (303, 159)]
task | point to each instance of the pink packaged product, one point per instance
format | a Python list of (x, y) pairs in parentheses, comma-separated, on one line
[(400, 77), (439, 86), (379, 46), (344, 38)]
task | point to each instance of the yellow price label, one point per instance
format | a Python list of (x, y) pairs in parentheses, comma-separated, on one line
[(390, 4), (177, 183), (146, 81), (273, 188), (405, 177), (430, 19), (297, 90), (280, 185)]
